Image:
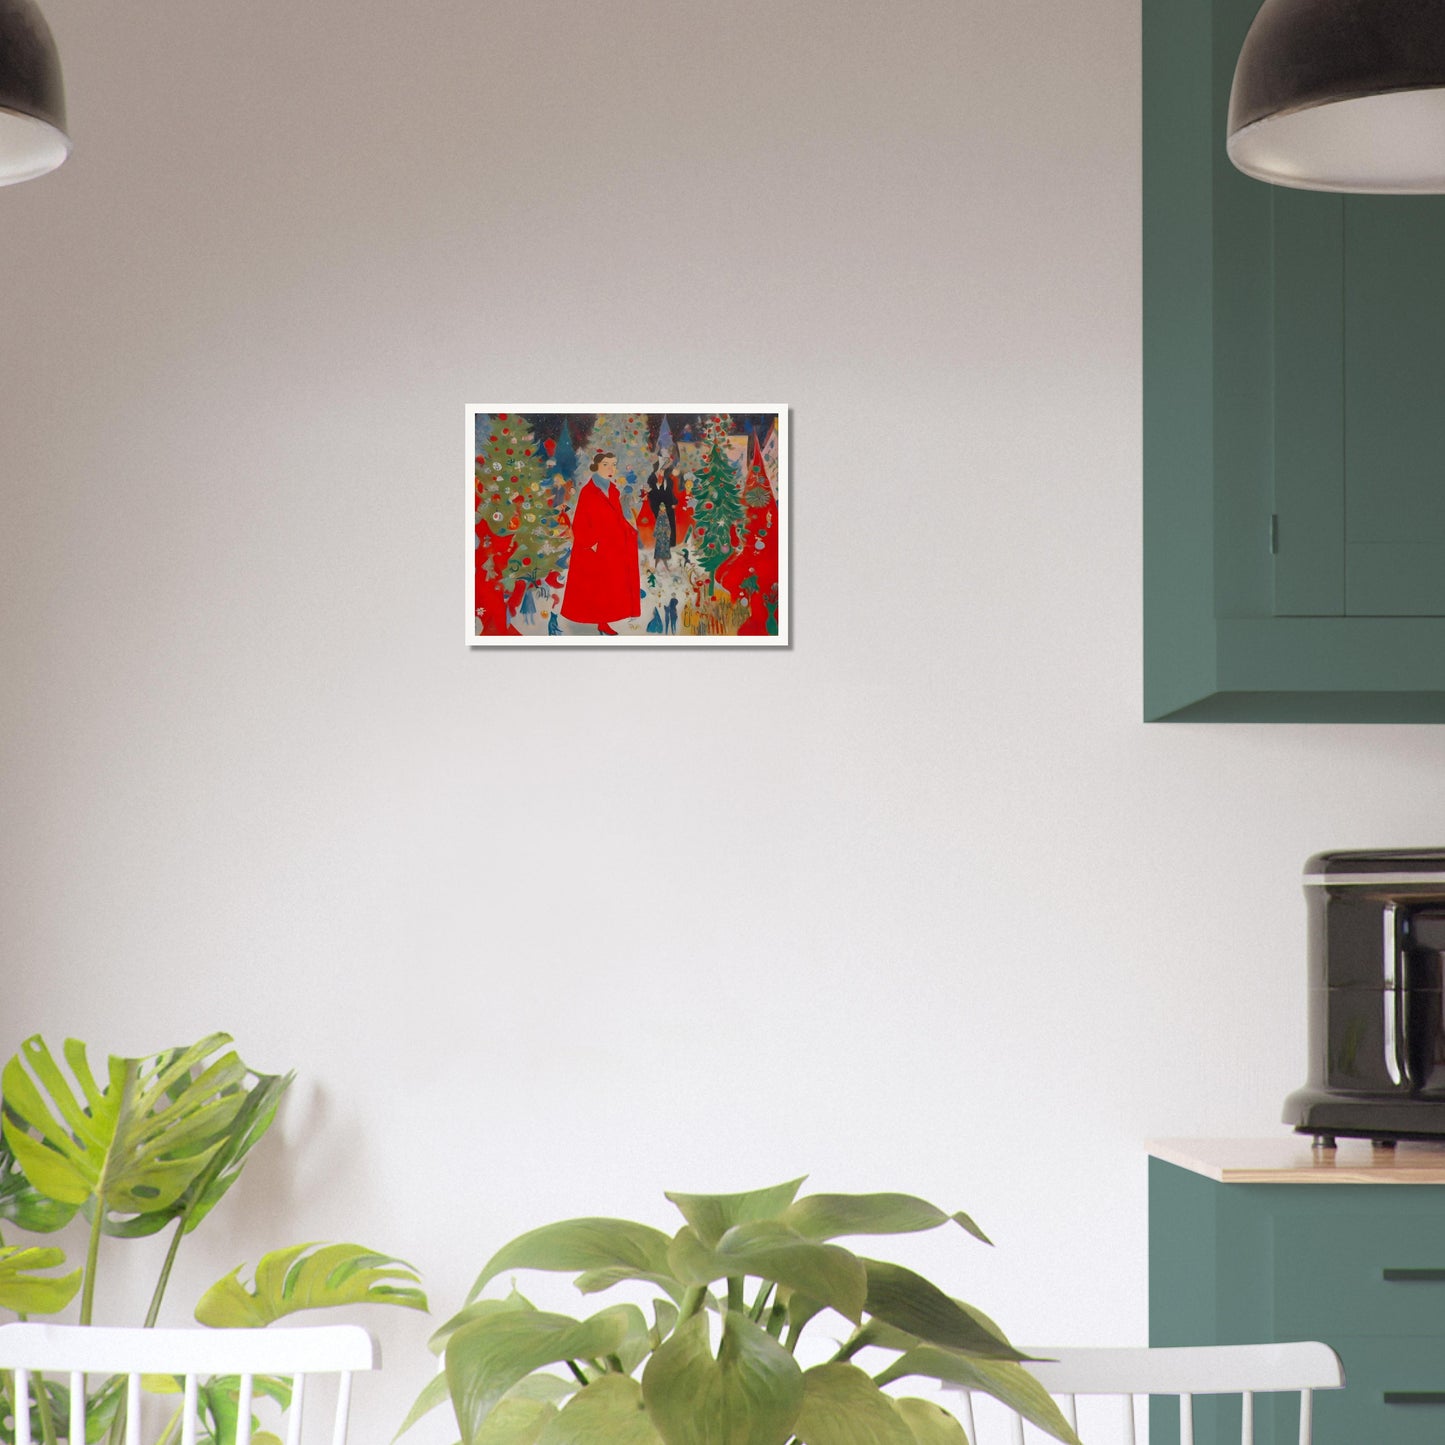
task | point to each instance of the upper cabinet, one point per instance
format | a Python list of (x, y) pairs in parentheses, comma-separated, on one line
[(1294, 420)]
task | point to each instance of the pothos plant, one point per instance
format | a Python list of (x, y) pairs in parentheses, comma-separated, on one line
[(763, 1265), (152, 1144)]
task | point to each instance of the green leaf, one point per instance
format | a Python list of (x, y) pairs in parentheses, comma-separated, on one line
[(132, 1146), (594, 1281), (967, 1224), (802, 1310), (712, 1215), (22, 1204), (876, 1334), (253, 1118), (475, 1311), (665, 1317), (830, 1216), (516, 1421), (772, 1251), (542, 1386), (25, 1291), (909, 1302), (930, 1424), (308, 1277), (580, 1244), (842, 1406), (749, 1395), (433, 1393), (220, 1400), (609, 1411), (1002, 1379), (487, 1356)]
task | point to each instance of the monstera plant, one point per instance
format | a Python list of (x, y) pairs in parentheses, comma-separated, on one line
[(750, 1272), (152, 1144)]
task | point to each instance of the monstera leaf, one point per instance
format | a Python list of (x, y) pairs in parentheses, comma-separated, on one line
[(132, 1146), (28, 1292), (309, 1277), (219, 1402), (23, 1204), (254, 1116)]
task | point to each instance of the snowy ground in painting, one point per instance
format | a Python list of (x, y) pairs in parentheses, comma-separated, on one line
[(678, 583)]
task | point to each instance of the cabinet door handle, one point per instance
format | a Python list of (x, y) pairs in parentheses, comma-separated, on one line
[(1414, 1397), (1407, 1276)]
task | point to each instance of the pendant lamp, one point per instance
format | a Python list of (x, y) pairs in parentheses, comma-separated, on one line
[(1342, 95), (32, 98)]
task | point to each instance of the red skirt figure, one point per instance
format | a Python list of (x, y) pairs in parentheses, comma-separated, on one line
[(603, 580)]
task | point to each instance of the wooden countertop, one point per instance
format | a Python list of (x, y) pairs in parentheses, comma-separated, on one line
[(1292, 1159)]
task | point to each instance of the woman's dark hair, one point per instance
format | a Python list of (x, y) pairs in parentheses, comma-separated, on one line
[(601, 457)]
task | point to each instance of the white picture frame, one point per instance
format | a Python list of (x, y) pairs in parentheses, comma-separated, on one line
[(696, 596)]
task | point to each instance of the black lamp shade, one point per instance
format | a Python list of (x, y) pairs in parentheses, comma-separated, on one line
[(32, 97), (1342, 95)]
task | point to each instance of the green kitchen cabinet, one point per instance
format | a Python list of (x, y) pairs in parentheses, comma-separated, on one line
[(1359, 1265), (1294, 420)]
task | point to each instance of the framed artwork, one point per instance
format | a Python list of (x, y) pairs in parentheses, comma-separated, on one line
[(655, 526)]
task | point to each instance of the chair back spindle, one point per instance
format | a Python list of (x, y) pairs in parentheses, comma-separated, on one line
[(32, 1351), (1243, 1370)]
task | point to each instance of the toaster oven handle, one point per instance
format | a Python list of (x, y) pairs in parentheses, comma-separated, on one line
[(1390, 999)]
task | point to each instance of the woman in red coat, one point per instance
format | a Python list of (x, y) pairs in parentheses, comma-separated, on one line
[(603, 580)]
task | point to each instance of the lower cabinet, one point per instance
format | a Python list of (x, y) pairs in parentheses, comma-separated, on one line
[(1359, 1266)]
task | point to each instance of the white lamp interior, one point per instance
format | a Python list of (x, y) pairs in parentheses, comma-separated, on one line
[(1390, 143), (28, 147)]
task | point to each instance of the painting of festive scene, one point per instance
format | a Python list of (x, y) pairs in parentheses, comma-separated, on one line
[(645, 526)]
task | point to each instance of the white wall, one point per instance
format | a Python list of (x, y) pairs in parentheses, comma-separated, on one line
[(917, 904)]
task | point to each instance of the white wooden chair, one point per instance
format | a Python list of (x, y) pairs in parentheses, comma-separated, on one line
[(1244, 1370), (74, 1351)]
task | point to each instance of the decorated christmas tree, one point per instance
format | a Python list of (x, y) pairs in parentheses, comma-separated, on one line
[(719, 429), (627, 438), (521, 532), (562, 465), (751, 573), (717, 509)]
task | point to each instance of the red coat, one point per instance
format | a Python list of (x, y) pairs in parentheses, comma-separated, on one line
[(603, 581)]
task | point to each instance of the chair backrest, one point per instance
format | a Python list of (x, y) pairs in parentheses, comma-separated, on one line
[(195, 1355), (1244, 1370)]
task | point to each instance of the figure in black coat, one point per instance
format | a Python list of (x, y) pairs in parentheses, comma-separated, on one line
[(661, 493)]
